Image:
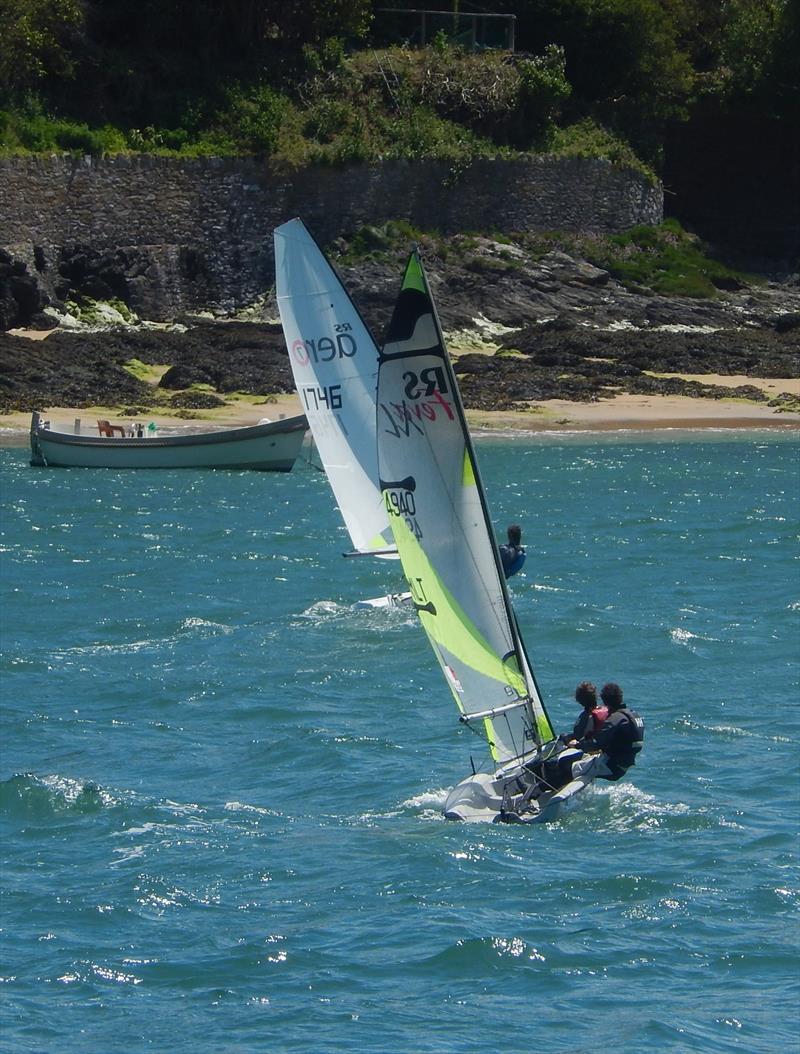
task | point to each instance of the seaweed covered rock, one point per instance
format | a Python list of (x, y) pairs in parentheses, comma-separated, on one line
[(21, 299), (88, 369)]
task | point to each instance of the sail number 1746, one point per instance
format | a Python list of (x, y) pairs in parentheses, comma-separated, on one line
[(315, 397)]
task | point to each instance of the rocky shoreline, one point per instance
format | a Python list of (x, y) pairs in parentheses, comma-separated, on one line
[(525, 330)]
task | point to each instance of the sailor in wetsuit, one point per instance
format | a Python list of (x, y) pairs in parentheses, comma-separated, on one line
[(556, 772), (512, 554), (610, 752)]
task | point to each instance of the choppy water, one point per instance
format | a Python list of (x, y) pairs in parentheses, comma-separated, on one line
[(220, 786)]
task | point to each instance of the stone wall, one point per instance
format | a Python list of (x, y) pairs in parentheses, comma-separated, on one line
[(198, 233)]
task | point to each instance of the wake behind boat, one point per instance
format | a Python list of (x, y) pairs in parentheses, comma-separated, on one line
[(269, 447), (437, 507), (334, 361)]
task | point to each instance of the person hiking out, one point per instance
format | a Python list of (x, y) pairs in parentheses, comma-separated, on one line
[(611, 751), (512, 553)]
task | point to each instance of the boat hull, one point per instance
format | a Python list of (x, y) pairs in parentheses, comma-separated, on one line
[(391, 600), (272, 447), (483, 798)]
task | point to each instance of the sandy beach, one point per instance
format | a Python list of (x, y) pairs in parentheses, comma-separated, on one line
[(619, 412), (623, 412)]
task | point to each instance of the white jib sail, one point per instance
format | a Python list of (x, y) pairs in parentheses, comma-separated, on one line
[(335, 365), (432, 489)]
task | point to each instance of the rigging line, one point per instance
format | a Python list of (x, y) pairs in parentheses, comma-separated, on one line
[(480, 733), (526, 727), (310, 463)]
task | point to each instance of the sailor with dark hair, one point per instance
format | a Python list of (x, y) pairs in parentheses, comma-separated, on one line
[(512, 554), (592, 715), (610, 752), (557, 770)]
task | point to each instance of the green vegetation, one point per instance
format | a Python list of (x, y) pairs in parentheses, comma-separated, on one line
[(375, 242), (665, 259), (100, 312), (144, 372), (586, 138), (786, 402), (316, 81)]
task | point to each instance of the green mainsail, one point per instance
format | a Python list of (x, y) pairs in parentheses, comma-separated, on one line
[(437, 509)]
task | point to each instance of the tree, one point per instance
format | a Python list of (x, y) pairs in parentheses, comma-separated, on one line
[(36, 41)]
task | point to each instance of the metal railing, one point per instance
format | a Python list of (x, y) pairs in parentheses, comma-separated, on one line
[(472, 30)]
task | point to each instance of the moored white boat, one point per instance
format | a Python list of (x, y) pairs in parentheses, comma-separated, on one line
[(270, 447)]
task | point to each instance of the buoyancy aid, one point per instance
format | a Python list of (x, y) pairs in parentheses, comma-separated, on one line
[(621, 738), (599, 715), (589, 723), (633, 729)]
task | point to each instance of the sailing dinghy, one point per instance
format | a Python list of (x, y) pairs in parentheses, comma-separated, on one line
[(437, 509), (334, 361)]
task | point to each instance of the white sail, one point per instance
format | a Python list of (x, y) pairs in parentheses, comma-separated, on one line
[(433, 493), (335, 365)]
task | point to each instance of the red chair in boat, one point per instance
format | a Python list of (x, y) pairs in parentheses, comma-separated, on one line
[(105, 428)]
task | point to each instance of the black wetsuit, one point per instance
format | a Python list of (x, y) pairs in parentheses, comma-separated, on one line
[(620, 739)]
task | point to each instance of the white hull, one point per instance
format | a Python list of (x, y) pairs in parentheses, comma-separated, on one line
[(391, 600), (484, 798), (272, 447)]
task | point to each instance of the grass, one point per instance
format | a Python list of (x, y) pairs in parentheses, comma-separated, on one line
[(666, 260), (663, 259), (588, 139), (142, 371)]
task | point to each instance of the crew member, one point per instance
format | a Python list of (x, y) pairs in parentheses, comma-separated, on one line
[(611, 751), (591, 716), (512, 553)]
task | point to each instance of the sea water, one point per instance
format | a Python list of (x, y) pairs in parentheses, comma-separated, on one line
[(220, 785)]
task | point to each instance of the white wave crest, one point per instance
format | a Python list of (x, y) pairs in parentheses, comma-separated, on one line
[(427, 799), (204, 626), (685, 637)]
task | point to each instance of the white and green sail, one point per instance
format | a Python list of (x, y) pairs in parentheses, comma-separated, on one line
[(335, 365), (437, 510)]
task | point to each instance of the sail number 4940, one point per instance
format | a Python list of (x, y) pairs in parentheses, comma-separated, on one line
[(401, 503)]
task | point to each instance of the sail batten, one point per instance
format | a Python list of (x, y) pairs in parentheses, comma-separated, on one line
[(437, 510)]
